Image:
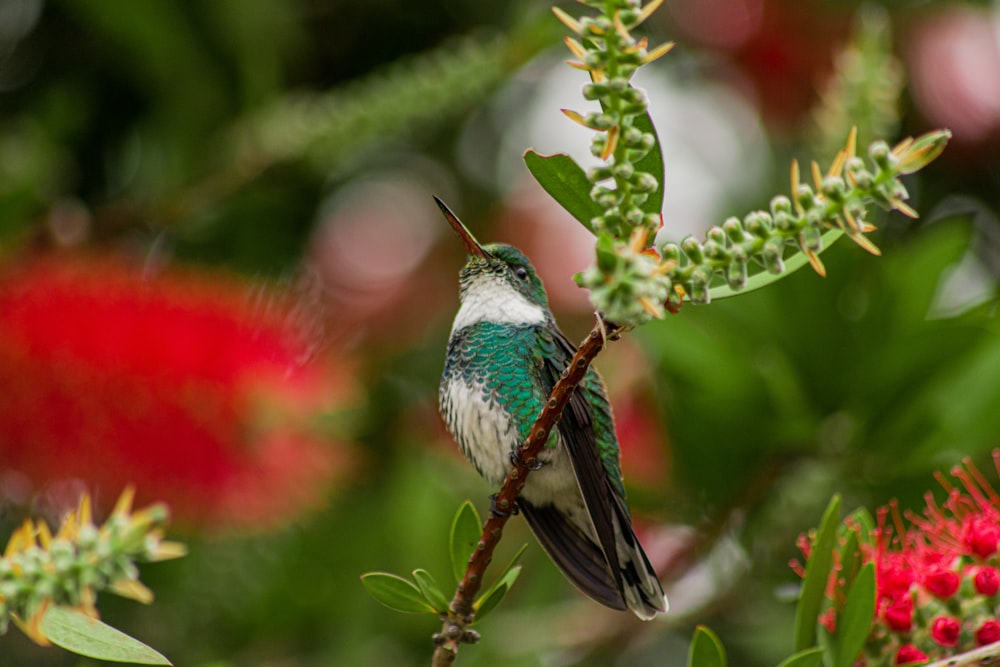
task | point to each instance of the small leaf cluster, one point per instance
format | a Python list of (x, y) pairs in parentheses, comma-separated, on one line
[(41, 572), (422, 594)]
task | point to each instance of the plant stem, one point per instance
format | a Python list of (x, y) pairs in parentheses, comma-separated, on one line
[(461, 613), (985, 656)]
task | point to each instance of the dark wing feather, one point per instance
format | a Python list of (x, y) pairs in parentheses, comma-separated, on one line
[(577, 433), (574, 554)]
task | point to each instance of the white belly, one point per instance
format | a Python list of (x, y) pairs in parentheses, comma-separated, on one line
[(487, 437)]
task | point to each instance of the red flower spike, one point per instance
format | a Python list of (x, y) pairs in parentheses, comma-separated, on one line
[(988, 633), (941, 582), (987, 581), (177, 384), (946, 630), (908, 654)]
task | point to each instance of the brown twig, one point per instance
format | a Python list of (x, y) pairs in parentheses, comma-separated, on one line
[(461, 614)]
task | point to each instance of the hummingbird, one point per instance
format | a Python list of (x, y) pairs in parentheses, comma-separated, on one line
[(505, 354)]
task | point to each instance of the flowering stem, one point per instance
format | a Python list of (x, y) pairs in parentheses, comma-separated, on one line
[(461, 612)]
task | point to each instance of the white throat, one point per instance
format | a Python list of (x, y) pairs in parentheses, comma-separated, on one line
[(491, 299)]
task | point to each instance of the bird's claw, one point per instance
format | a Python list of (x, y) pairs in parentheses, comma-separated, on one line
[(507, 510)]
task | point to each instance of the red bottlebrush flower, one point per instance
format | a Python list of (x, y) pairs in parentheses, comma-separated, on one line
[(945, 630), (987, 581), (988, 633), (908, 654), (981, 534), (941, 582), (923, 558), (176, 384), (899, 615)]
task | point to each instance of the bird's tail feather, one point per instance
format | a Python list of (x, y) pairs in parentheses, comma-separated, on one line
[(634, 586)]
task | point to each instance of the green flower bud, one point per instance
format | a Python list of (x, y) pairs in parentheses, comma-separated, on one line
[(772, 253), (692, 248), (781, 204), (736, 275), (599, 121), (715, 251), (734, 230), (811, 237), (644, 182), (623, 171), (758, 224)]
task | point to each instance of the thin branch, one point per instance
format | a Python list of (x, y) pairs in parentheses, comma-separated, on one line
[(461, 614)]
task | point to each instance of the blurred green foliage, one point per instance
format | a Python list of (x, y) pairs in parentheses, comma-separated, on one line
[(142, 125)]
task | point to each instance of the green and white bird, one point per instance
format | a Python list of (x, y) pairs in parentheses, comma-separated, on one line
[(504, 356)]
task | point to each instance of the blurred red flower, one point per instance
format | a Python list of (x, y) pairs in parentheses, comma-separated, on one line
[(176, 383), (935, 572)]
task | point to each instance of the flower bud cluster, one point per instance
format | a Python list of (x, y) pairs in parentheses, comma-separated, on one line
[(608, 51), (732, 252), (937, 575), (40, 569)]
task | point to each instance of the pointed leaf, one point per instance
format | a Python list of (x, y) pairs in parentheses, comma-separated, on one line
[(817, 574), (431, 591), (706, 649), (855, 624), (651, 162), (811, 657), (487, 602), (850, 557), (466, 529), (395, 592), (566, 182), (75, 631)]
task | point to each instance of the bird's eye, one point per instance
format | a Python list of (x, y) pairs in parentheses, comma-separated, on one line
[(521, 272)]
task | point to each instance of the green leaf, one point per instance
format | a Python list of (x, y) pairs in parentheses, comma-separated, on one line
[(765, 278), (488, 601), (811, 657), (396, 592), (466, 529), (855, 624), (75, 631), (817, 574), (430, 590), (651, 162), (567, 183), (706, 649), (850, 556)]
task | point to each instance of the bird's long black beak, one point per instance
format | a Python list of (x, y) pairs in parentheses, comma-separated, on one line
[(471, 244)]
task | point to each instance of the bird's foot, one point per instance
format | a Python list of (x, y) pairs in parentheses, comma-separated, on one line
[(532, 464), (502, 508)]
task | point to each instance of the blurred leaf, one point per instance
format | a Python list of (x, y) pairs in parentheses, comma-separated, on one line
[(75, 631), (850, 556), (811, 657), (431, 591), (396, 593), (489, 600), (567, 183), (854, 625), (706, 649), (817, 574), (466, 529), (651, 162)]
